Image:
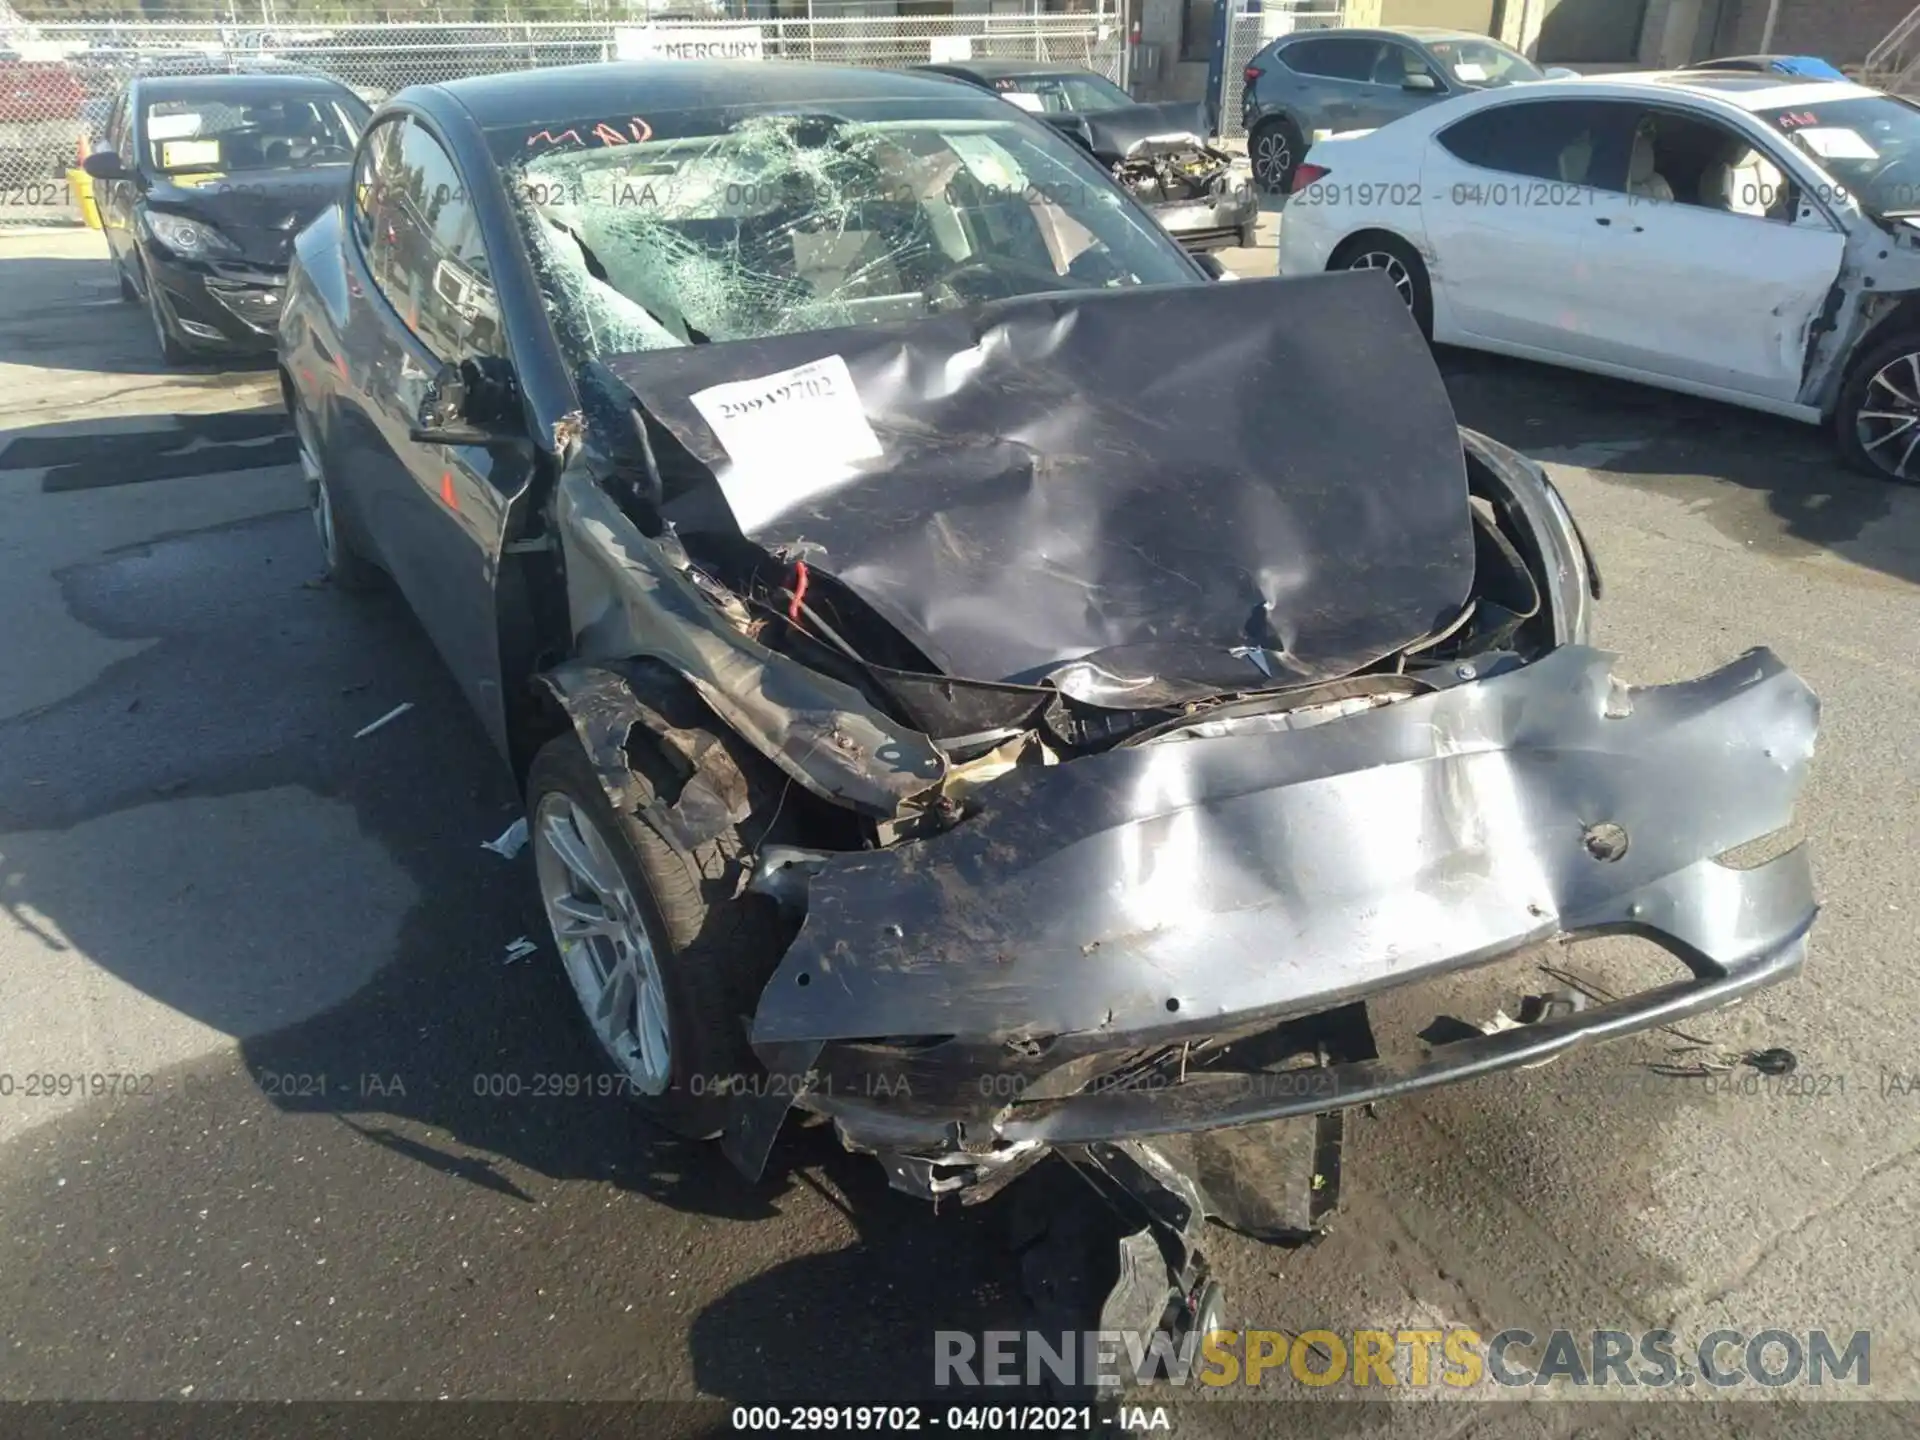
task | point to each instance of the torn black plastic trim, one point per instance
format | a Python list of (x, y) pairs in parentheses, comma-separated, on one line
[(1541, 526)]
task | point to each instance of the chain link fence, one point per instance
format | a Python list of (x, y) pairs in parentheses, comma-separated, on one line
[(58, 81), (1250, 24)]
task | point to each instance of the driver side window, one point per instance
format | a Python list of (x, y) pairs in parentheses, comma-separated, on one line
[(426, 255)]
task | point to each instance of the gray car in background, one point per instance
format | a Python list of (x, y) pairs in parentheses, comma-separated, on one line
[(1318, 82)]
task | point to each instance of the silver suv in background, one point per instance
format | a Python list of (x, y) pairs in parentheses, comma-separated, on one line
[(1305, 86)]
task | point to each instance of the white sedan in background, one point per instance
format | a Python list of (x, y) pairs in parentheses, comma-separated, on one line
[(1727, 235)]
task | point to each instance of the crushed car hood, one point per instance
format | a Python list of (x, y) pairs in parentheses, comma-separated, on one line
[(1174, 489), (1110, 133)]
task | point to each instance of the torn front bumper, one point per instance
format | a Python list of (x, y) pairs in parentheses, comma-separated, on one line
[(1163, 895)]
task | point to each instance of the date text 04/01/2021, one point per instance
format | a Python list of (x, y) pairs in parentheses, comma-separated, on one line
[(954, 1419)]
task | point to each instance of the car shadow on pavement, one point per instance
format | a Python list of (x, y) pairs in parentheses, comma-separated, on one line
[(1790, 492), (327, 900)]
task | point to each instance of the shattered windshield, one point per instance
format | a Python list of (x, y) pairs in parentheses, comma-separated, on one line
[(1870, 144), (708, 226)]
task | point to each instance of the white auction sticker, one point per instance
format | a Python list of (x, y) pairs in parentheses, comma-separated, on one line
[(789, 435)]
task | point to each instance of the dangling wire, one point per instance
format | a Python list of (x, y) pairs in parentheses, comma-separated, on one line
[(798, 601)]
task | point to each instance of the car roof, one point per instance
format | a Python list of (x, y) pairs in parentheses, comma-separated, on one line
[(1422, 33), (633, 87), (1002, 69), (1748, 90), (180, 87), (159, 66), (1728, 89)]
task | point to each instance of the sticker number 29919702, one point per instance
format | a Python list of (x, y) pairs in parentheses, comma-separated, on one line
[(788, 434)]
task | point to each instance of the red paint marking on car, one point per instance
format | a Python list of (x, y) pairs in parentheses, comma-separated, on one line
[(799, 591), (451, 500)]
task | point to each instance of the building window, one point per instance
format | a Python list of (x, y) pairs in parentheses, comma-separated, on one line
[(1196, 29)]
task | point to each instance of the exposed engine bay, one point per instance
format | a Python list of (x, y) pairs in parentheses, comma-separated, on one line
[(1175, 167)]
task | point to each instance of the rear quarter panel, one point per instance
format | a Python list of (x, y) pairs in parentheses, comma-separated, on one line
[(1372, 182)]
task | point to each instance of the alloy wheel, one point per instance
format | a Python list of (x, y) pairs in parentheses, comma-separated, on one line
[(604, 944), (1272, 157), (1396, 271), (1888, 423)]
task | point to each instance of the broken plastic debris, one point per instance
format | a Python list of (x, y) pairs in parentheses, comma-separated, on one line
[(386, 719), (510, 841), (519, 949)]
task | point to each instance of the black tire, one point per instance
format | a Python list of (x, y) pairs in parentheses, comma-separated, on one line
[(129, 291), (1899, 395), (715, 943), (345, 565), (1373, 250), (172, 352), (1275, 149), (1065, 1241)]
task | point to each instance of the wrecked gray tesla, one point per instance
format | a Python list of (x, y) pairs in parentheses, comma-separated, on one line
[(974, 679)]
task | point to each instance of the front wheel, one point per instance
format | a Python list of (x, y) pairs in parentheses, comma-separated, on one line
[(1401, 264), (1877, 421), (347, 568), (664, 951)]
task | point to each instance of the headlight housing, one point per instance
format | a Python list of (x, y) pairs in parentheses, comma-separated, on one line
[(193, 238)]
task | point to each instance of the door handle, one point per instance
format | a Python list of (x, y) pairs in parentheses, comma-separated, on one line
[(1603, 220)]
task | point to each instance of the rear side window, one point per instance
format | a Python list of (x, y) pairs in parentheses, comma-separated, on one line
[(1333, 59), (1579, 142)]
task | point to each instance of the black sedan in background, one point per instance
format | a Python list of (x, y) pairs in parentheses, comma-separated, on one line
[(202, 181), (943, 641), (1157, 151)]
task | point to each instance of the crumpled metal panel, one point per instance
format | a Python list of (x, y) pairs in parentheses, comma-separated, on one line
[(627, 600), (1148, 478), (1166, 889), (1111, 133)]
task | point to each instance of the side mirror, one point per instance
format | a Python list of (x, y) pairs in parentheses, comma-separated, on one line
[(1419, 81), (476, 402), (105, 165), (1210, 262)]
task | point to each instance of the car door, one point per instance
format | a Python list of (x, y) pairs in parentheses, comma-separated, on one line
[(1512, 195), (1402, 81), (1334, 83), (435, 512), (1721, 260)]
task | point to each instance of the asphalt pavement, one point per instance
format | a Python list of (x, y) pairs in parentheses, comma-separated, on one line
[(259, 1041)]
